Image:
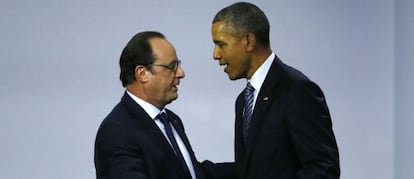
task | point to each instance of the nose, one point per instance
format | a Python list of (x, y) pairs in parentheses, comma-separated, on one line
[(180, 72), (216, 53)]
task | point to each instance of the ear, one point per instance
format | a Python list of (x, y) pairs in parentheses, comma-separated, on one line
[(250, 40), (141, 74)]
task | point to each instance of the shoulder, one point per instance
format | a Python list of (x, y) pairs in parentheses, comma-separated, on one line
[(295, 78), (121, 122), (291, 82)]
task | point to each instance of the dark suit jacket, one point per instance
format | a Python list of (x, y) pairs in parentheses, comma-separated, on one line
[(290, 136), (129, 145)]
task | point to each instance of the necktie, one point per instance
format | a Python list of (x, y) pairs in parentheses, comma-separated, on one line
[(247, 110), (164, 119)]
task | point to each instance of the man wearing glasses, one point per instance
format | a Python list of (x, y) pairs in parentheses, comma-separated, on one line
[(140, 138)]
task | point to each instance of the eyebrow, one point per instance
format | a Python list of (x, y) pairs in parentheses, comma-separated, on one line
[(218, 42), (174, 60)]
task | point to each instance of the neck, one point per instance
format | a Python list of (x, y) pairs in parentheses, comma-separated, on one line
[(258, 58), (140, 92)]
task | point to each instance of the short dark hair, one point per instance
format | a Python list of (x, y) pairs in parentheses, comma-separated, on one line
[(244, 17), (138, 51)]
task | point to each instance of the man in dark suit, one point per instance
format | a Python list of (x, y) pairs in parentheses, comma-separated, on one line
[(140, 138), (283, 128)]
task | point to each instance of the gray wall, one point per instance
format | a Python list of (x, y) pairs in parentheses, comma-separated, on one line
[(404, 87), (59, 77)]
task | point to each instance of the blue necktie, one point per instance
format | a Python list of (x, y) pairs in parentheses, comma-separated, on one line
[(247, 110), (164, 119)]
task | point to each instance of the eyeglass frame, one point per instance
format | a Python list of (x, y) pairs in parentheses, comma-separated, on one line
[(171, 66)]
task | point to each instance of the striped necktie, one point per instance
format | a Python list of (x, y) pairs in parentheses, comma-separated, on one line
[(247, 110)]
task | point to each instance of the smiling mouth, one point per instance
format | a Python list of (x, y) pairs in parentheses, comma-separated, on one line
[(176, 85), (174, 88), (226, 66)]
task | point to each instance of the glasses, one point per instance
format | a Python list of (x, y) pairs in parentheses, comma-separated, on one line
[(172, 66)]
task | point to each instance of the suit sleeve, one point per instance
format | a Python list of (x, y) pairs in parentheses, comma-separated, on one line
[(115, 159), (209, 169), (219, 170), (310, 128)]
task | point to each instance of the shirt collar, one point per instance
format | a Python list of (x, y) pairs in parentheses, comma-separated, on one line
[(260, 74), (150, 109)]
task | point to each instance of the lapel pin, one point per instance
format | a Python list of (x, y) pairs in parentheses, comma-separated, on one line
[(265, 98)]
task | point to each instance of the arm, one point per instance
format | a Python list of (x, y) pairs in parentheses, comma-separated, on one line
[(310, 128), (115, 159), (127, 164), (219, 170)]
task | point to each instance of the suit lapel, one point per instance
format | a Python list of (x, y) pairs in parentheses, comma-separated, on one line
[(264, 98), (240, 147), (150, 129), (178, 126), (239, 124)]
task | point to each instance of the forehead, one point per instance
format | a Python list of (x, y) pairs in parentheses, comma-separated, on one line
[(218, 29), (162, 50), (221, 32)]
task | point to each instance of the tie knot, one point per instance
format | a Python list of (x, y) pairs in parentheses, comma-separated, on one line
[(249, 88), (163, 117)]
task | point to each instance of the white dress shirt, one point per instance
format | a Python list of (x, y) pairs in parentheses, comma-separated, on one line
[(153, 111), (259, 76)]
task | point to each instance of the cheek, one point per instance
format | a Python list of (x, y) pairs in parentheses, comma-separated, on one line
[(236, 59), (234, 54), (167, 82)]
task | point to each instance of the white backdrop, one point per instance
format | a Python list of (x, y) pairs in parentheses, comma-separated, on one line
[(59, 77), (404, 87)]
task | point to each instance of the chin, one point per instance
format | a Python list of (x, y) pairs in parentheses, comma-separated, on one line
[(172, 98), (233, 77)]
